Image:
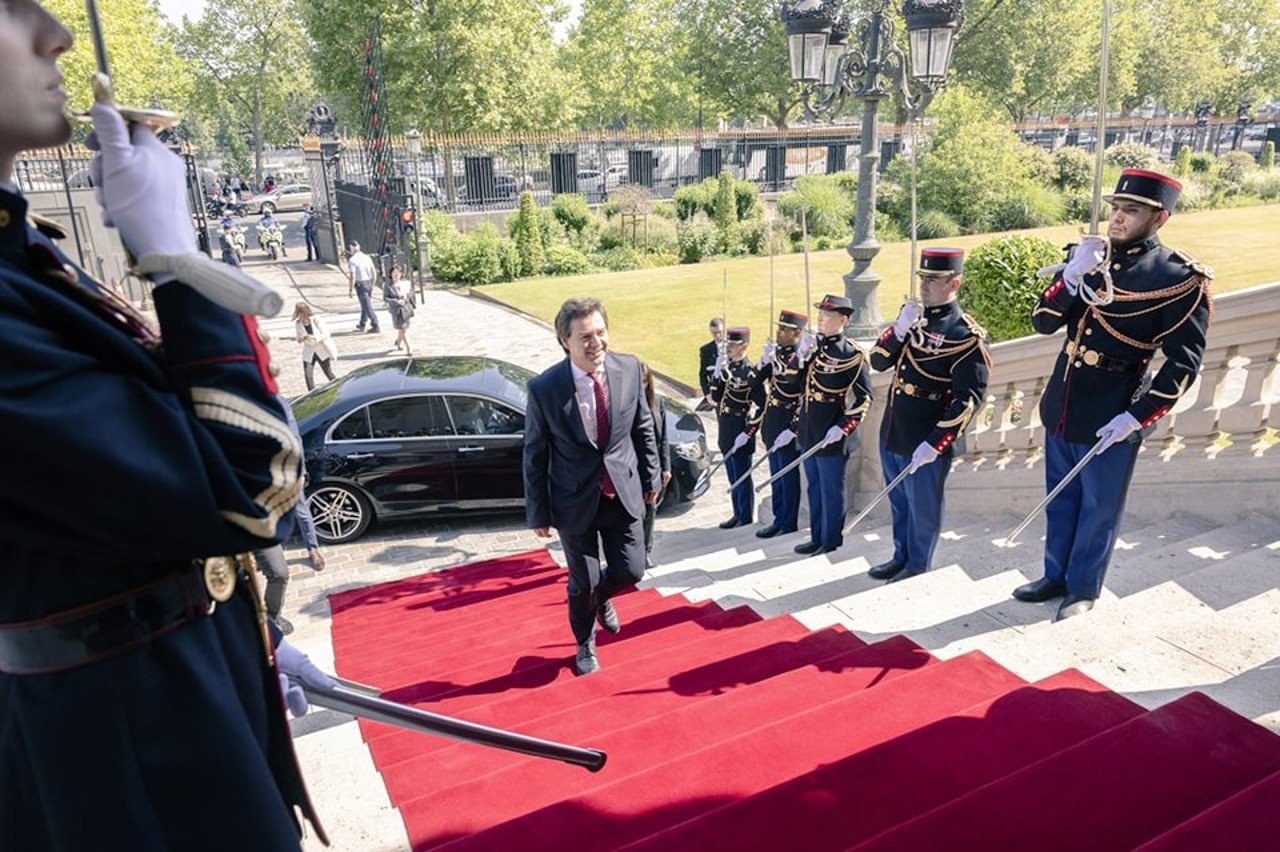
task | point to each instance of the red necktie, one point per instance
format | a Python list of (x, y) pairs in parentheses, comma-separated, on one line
[(602, 432)]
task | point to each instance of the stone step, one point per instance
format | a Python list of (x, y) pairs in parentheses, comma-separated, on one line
[(1155, 560), (700, 572)]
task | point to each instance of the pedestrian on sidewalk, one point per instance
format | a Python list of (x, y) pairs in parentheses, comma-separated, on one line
[(398, 293), (1101, 392), (133, 666), (590, 466), (362, 274), (940, 364), (318, 346), (309, 233)]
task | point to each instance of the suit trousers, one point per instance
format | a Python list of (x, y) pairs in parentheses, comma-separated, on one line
[(743, 495), (619, 538), (275, 568), (917, 506), (786, 490), (826, 499), (1084, 520)]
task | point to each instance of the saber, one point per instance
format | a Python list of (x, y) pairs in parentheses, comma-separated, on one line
[(1057, 489), (747, 475), (223, 285), (350, 701), (806, 454), (897, 480)]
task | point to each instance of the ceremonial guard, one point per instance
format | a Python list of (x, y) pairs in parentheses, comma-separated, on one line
[(783, 378), (940, 365), (1101, 395), (739, 401), (837, 394), (140, 705)]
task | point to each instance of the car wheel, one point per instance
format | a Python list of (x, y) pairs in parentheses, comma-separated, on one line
[(267, 207), (341, 513)]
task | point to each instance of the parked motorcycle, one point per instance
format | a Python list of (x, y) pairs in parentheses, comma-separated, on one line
[(271, 240)]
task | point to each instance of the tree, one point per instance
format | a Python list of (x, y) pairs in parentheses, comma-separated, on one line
[(735, 52), (252, 70), (624, 59), (526, 230), (146, 69)]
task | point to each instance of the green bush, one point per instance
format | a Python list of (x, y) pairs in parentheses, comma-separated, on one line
[(1001, 286), (478, 258), (936, 225), (1040, 164), (694, 241), (827, 207), (571, 211), (1202, 162), (1196, 195), (567, 260), (1182, 162), (746, 199), (1263, 183), (1073, 168), (1132, 155), (725, 212), (1078, 206), (1034, 207), (1268, 158), (665, 209), (610, 237), (526, 229), (694, 199), (438, 229), (620, 259), (1232, 170)]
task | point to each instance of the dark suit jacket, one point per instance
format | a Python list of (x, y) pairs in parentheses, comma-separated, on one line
[(706, 363), (562, 469)]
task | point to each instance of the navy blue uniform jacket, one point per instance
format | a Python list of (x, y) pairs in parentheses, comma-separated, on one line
[(123, 463)]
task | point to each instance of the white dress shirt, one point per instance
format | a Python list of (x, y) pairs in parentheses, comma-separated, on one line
[(584, 387)]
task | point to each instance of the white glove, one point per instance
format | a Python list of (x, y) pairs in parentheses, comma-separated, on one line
[(786, 436), (766, 355), (1117, 429), (140, 184), (907, 317), (834, 434), (739, 442), (806, 345), (1088, 256), (923, 455), (721, 369), (297, 666)]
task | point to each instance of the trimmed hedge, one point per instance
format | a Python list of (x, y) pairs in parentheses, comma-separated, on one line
[(1001, 286)]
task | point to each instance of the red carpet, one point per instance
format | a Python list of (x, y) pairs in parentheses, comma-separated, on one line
[(726, 731)]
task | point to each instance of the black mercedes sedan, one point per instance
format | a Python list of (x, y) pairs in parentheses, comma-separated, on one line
[(419, 435)]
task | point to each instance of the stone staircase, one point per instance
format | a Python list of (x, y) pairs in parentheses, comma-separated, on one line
[(1190, 604)]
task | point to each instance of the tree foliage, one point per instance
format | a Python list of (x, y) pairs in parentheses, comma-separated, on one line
[(252, 71)]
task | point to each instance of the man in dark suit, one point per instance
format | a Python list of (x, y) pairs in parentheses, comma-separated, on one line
[(707, 355), (593, 490)]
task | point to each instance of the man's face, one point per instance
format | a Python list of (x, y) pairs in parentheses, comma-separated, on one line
[(717, 332), (1133, 222), (938, 289), (588, 341), (32, 103), (830, 322), (787, 336), (736, 349)]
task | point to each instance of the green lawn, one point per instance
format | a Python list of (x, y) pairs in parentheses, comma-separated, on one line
[(661, 314)]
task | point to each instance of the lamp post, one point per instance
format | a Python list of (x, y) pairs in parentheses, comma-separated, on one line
[(413, 140), (836, 57)]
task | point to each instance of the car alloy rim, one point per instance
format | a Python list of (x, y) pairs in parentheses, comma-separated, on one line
[(337, 512)]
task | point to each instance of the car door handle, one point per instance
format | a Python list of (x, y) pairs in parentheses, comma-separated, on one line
[(470, 449), (359, 455)]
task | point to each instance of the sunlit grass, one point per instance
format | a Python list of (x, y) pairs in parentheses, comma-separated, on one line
[(661, 314)]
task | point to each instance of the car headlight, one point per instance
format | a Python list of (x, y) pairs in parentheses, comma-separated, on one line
[(692, 450)]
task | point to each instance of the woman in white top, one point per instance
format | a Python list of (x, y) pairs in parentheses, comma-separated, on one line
[(399, 295), (317, 345)]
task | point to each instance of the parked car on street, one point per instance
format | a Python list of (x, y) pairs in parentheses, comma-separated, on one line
[(433, 435), (291, 196)]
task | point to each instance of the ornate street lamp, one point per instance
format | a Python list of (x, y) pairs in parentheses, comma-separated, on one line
[(860, 59)]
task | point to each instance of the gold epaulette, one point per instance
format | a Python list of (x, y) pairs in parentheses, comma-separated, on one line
[(1202, 269)]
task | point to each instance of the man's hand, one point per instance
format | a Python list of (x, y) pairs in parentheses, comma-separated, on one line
[(907, 317), (1117, 429), (786, 436), (296, 668), (140, 184), (651, 497), (316, 558), (923, 455), (834, 435), (1088, 256), (805, 347), (739, 442), (721, 368), (766, 355), (666, 478), (542, 532)]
